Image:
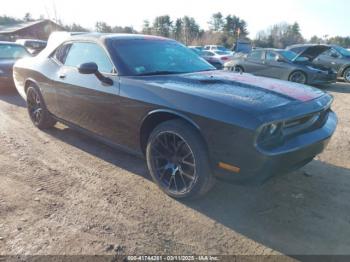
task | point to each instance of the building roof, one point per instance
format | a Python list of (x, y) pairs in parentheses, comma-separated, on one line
[(8, 29)]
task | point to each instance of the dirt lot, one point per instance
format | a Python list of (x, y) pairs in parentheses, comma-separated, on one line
[(63, 193)]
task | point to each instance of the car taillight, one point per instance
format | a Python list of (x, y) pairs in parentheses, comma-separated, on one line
[(224, 58)]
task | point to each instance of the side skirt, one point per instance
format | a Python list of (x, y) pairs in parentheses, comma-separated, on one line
[(99, 138)]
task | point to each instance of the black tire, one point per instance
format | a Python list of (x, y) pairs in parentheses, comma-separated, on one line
[(37, 110), (298, 77), (346, 75), (237, 69), (194, 174)]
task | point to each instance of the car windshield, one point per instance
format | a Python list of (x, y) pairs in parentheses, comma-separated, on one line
[(156, 56), (291, 56), (342, 50), (8, 51)]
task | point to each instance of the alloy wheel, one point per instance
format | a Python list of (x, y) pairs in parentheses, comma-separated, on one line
[(173, 162), (298, 77), (34, 106), (347, 75), (238, 69)]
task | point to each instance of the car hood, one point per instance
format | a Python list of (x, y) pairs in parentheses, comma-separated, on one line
[(245, 91), (7, 62), (312, 52)]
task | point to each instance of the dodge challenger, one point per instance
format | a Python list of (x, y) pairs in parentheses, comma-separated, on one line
[(154, 97)]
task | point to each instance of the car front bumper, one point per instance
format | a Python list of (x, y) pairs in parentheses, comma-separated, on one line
[(316, 78), (293, 154)]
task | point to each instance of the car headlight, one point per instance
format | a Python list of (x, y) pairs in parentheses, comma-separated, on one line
[(1, 72), (317, 70), (270, 133)]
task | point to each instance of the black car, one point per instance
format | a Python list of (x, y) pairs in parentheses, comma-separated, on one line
[(334, 56), (282, 64), (9, 54), (34, 46), (156, 98)]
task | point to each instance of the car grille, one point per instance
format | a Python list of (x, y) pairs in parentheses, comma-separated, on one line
[(305, 123)]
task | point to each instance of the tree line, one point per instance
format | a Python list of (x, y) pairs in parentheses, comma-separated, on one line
[(223, 30)]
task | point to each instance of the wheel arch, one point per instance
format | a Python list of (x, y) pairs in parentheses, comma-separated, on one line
[(156, 117), (343, 69), (28, 82)]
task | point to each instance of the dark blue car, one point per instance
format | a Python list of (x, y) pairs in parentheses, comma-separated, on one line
[(156, 98), (9, 54)]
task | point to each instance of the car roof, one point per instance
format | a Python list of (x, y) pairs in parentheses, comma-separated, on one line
[(269, 49), (10, 43), (103, 36)]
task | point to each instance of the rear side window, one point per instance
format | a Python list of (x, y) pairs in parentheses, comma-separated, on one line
[(80, 53), (61, 53)]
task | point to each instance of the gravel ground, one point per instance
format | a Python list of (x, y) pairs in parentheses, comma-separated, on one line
[(64, 193)]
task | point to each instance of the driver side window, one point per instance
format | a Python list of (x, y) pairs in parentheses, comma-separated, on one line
[(84, 52), (255, 55), (271, 56)]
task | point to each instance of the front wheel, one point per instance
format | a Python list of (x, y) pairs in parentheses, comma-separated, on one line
[(298, 77), (178, 161), (37, 110), (346, 75)]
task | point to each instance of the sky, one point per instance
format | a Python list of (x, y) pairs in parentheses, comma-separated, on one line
[(316, 17)]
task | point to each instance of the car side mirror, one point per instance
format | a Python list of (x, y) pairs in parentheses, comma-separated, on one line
[(92, 68), (279, 59), (88, 68)]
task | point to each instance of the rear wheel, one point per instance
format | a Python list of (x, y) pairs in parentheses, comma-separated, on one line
[(298, 77), (238, 69), (346, 75), (178, 160), (38, 113)]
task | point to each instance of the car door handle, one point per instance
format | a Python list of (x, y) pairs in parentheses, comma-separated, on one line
[(62, 76)]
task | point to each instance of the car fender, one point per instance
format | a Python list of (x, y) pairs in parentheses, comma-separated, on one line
[(169, 111)]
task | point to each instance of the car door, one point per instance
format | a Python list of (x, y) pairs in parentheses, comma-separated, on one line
[(330, 59), (82, 99), (274, 68), (254, 63)]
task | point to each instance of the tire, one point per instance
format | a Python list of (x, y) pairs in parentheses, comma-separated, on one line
[(346, 75), (37, 110), (298, 77), (178, 160), (237, 69)]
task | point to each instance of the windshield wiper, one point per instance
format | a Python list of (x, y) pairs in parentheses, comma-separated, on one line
[(153, 73)]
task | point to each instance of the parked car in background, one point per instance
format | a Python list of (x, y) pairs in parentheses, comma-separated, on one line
[(154, 97), (217, 58), (34, 46), (216, 48), (282, 64), (197, 47), (9, 54), (334, 56)]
